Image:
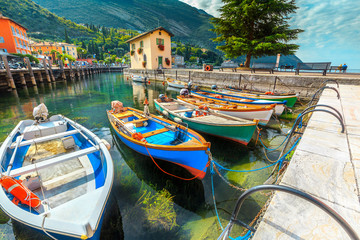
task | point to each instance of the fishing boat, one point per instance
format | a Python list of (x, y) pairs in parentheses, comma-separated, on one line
[(203, 120), (56, 176), (159, 138), (256, 112), (290, 98), (137, 78), (176, 83), (227, 98)]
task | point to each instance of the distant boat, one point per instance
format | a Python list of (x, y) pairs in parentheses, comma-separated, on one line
[(176, 83), (138, 78), (233, 128), (290, 98), (256, 112), (221, 97), (56, 178), (159, 138)]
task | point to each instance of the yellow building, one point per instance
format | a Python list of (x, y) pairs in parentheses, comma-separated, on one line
[(151, 50), (69, 49)]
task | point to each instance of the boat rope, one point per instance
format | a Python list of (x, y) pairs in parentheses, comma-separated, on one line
[(170, 174), (213, 195), (42, 227)]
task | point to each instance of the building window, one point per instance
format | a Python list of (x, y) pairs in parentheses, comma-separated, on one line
[(159, 41), (17, 50), (13, 30), (133, 46), (159, 33), (16, 42), (141, 43), (2, 40)]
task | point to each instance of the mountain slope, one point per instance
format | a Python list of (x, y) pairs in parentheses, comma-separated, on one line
[(40, 22), (186, 22)]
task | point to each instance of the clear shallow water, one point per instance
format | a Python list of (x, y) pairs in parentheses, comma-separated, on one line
[(145, 203)]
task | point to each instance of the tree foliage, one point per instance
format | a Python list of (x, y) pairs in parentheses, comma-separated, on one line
[(255, 28)]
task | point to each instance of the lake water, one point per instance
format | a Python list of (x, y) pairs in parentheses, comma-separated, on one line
[(145, 203)]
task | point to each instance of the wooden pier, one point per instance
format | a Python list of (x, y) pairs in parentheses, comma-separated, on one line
[(17, 78)]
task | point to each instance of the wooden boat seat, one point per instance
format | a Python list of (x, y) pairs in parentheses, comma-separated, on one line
[(152, 133), (183, 110), (46, 138), (137, 120), (53, 161)]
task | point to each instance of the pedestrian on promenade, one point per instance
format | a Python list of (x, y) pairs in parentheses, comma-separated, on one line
[(344, 67), (339, 68)]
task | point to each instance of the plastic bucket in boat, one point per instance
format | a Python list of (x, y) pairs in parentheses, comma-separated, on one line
[(188, 114)]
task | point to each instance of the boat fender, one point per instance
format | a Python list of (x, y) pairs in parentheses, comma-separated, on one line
[(269, 93), (178, 120), (165, 113), (20, 192), (145, 124), (106, 143), (198, 114)]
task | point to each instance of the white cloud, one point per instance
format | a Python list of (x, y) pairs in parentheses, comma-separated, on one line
[(210, 6), (332, 29)]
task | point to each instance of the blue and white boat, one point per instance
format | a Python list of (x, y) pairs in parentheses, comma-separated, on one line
[(56, 177), (162, 139), (137, 78)]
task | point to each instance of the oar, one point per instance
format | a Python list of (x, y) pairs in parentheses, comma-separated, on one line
[(18, 141), (170, 127)]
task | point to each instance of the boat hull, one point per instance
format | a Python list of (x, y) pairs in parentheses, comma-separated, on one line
[(237, 133), (279, 108), (263, 116)]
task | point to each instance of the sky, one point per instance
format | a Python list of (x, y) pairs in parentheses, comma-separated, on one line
[(332, 29)]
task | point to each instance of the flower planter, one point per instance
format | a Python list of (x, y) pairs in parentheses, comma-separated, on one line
[(132, 52), (140, 50), (167, 61), (161, 47), (144, 64)]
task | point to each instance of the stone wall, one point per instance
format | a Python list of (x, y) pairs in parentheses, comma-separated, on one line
[(304, 85)]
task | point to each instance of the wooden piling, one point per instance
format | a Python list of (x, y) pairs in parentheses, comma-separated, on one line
[(71, 70), (10, 80), (63, 75), (46, 70), (77, 70), (31, 73), (51, 71), (22, 79), (176, 74), (240, 81), (40, 76)]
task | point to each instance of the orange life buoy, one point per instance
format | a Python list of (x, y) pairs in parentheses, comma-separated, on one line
[(20, 192), (138, 136), (269, 93), (207, 68)]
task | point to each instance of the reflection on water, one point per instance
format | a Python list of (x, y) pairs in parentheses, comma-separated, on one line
[(140, 189)]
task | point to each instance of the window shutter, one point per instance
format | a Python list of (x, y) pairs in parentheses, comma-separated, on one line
[(162, 41), (157, 41)]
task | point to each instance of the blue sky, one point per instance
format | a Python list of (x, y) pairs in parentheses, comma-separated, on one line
[(332, 29)]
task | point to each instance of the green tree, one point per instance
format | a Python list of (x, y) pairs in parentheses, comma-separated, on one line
[(67, 39), (255, 28)]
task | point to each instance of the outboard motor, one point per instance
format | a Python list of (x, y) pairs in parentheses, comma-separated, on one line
[(190, 85), (40, 112), (162, 97), (213, 87), (184, 92)]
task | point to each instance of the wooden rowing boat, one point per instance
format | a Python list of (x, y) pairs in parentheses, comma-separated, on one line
[(256, 112), (159, 138), (290, 98), (176, 83), (233, 128), (279, 106), (65, 167)]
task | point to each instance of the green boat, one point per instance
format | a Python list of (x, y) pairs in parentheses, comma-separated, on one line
[(206, 121)]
